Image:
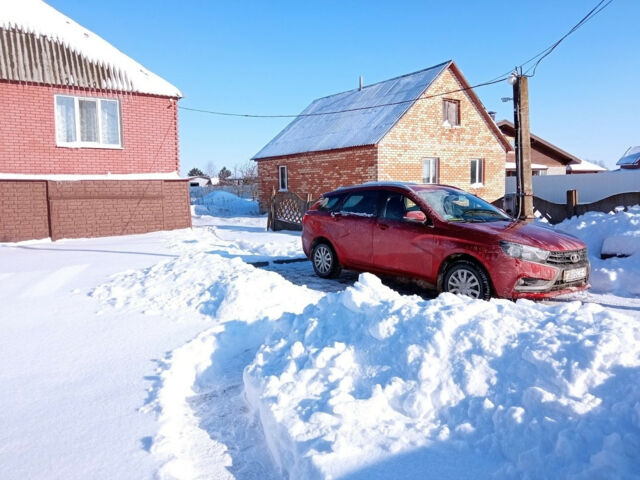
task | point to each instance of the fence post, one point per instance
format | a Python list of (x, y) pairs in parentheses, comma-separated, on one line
[(572, 201)]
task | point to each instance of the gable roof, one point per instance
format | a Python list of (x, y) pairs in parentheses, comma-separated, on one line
[(360, 126), (508, 128), (363, 116), (41, 45)]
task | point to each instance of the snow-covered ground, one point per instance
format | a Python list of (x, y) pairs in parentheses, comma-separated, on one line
[(171, 355)]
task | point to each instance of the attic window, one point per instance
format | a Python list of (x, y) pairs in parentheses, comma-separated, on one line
[(451, 112), (87, 122)]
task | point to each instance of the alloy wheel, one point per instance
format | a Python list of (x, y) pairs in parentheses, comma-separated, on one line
[(464, 282), (323, 259)]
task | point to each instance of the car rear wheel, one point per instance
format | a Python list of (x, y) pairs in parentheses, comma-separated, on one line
[(465, 278), (325, 261)]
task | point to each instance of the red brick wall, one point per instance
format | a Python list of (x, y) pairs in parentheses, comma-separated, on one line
[(555, 166), (91, 208), (23, 210), (317, 172), (28, 138), (420, 133)]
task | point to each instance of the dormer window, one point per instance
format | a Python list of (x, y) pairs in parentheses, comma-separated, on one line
[(451, 112)]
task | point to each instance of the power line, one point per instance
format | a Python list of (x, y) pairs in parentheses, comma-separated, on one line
[(546, 51), (601, 5), (592, 13), (318, 114)]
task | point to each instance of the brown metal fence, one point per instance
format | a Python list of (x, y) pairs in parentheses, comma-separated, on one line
[(557, 212)]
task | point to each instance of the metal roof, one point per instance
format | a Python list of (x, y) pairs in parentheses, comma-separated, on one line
[(38, 44), (359, 127), (631, 157)]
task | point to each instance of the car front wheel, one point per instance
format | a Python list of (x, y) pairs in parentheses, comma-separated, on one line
[(465, 278), (325, 261)]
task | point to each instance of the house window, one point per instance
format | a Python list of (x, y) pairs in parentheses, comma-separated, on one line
[(451, 112), (430, 170), (87, 122), (283, 181), (477, 171)]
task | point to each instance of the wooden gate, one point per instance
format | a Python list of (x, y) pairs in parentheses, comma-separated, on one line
[(286, 211)]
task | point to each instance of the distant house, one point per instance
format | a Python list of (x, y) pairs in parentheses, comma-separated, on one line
[(426, 126), (200, 181), (88, 136), (546, 158), (584, 167), (631, 159)]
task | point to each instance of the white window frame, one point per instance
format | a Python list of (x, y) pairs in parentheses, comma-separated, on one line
[(433, 170), (479, 172), (282, 188), (79, 143)]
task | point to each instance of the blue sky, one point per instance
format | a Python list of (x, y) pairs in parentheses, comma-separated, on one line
[(276, 57)]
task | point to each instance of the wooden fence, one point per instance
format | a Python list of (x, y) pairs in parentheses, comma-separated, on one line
[(286, 210), (557, 212)]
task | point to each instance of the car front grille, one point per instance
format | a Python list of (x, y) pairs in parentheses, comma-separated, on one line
[(569, 257)]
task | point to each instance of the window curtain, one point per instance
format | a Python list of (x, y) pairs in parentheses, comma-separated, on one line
[(109, 122), (88, 120), (65, 120)]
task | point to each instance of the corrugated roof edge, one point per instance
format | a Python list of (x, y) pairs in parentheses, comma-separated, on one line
[(444, 65)]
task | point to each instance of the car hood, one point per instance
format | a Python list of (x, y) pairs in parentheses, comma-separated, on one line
[(528, 234)]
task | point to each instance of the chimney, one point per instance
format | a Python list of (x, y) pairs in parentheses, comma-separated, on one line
[(492, 114), (360, 83)]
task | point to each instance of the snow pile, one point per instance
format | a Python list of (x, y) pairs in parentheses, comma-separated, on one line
[(613, 275), (368, 374), (35, 16), (242, 302), (225, 204), (202, 282)]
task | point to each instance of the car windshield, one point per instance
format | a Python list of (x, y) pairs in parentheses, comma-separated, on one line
[(458, 206)]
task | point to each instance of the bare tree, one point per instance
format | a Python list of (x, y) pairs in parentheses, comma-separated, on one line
[(248, 174), (211, 170)]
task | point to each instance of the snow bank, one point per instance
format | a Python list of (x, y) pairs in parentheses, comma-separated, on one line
[(368, 374), (614, 275), (241, 302), (225, 204)]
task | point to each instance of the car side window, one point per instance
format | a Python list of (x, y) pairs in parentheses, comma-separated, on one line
[(399, 207), (361, 203), (328, 204)]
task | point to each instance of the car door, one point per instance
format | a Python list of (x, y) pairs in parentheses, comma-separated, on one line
[(403, 241), (353, 226)]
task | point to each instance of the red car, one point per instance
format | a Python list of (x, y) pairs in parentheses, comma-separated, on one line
[(448, 238)]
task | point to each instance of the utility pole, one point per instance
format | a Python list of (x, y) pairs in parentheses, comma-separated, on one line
[(524, 183)]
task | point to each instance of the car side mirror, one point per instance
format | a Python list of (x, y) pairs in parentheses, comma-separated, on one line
[(416, 216)]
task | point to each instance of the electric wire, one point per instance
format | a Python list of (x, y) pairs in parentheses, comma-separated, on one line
[(599, 7), (356, 109)]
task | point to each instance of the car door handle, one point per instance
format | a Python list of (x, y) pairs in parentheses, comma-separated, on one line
[(382, 226)]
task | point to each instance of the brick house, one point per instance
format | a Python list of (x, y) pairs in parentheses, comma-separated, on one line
[(427, 126), (546, 158), (88, 137)]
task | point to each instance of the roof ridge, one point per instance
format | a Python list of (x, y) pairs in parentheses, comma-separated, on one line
[(382, 81)]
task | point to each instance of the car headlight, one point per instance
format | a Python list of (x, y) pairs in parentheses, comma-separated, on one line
[(524, 252)]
